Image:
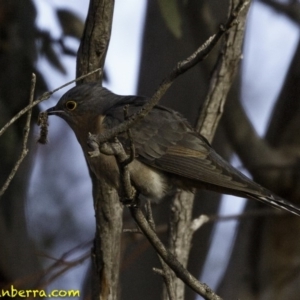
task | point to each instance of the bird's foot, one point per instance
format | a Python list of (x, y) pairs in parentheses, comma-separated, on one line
[(93, 145), (132, 200)]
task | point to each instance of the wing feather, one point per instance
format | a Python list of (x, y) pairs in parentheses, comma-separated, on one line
[(165, 140)]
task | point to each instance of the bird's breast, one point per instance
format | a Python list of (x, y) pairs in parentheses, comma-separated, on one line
[(148, 181)]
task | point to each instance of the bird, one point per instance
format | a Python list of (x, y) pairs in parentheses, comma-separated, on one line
[(169, 153)]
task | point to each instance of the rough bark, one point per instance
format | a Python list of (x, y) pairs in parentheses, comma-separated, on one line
[(95, 40), (267, 268), (181, 96), (108, 211)]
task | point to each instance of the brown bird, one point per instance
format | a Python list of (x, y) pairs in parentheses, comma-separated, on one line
[(170, 154)]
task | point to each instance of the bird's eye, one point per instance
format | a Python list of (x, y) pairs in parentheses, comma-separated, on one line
[(71, 105)]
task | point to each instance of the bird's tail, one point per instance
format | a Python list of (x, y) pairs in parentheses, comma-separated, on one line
[(278, 202)]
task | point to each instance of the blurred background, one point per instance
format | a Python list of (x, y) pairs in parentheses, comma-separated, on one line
[(47, 218)]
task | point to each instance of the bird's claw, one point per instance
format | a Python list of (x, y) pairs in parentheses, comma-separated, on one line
[(132, 200), (95, 153), (93, 145)]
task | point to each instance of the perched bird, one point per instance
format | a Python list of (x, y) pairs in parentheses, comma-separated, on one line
[(170, 154)]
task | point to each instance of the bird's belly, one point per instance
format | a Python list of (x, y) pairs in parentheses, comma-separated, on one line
[(148, 181)]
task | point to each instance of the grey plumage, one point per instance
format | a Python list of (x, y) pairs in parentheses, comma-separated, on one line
[(170, 153)]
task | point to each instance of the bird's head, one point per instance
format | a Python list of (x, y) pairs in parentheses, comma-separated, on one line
[(83, 102)]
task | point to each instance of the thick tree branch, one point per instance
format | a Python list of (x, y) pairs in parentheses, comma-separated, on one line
[(181, 223), (180, 69), (270, 166), (223, 76), (165, 272), (108, 210), (273, 162), (181, 233), (96, 37), (106, 249)]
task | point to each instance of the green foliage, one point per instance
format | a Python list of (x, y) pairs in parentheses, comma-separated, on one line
[(171, 14)]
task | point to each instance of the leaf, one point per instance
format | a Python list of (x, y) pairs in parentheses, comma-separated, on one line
[(48, 50), (70, 23), (172, 16)]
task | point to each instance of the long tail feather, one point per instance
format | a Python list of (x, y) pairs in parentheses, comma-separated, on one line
[(278, 202)]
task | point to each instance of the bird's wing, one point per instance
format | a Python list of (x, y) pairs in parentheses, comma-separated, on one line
[(164, 140)]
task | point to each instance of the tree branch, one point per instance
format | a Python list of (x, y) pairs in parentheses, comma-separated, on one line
[(44, 97), (181, 223), (95, 40), (200, 288), (181, 233), (180, 69), (108, 210), (115, 148), (223, 75), (166, 272)]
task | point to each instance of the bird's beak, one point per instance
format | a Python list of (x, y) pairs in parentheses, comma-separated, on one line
[(54, 111)]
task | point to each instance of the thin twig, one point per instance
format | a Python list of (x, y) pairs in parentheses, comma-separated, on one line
[(44, 97), (181, 67), (200, 288), (39, 276), (25, 140), (199, 222), (60, 267), (168, 279), (182, 225), (158, 271), (43, 123), (66, 266)]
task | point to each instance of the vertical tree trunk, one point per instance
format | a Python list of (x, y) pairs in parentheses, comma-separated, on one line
[(264, 262), (108, 210)]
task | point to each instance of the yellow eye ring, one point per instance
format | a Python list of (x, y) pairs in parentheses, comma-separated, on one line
[(71, 105)]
